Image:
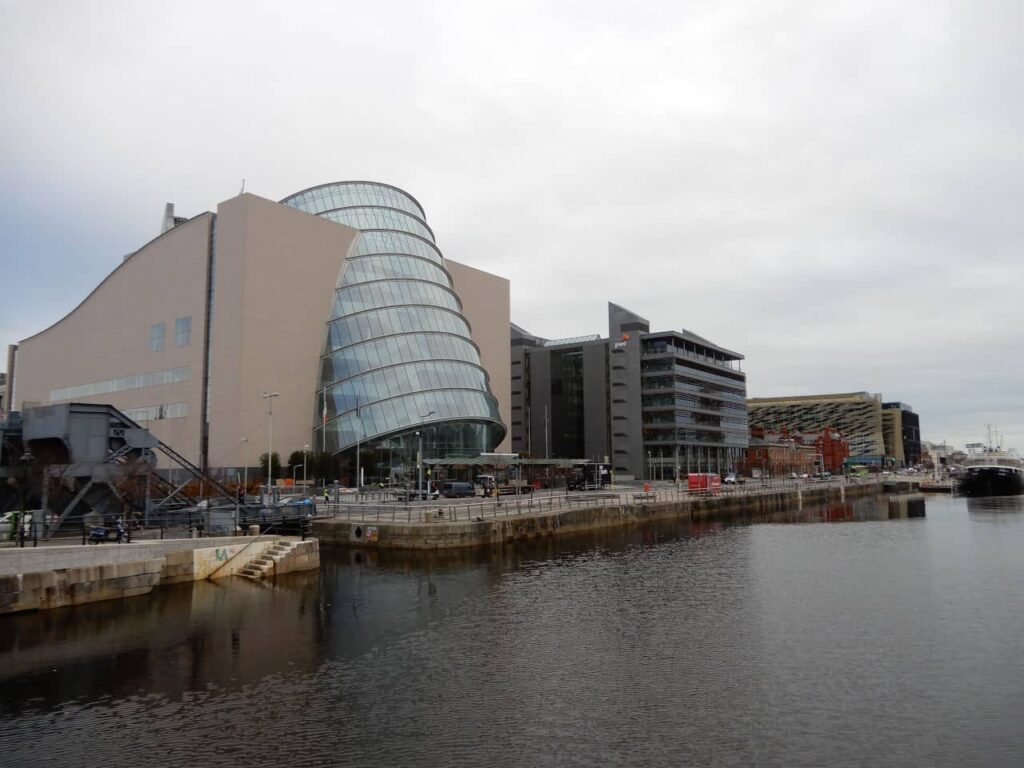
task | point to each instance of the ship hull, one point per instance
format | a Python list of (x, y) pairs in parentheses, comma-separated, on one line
[(992, 481)]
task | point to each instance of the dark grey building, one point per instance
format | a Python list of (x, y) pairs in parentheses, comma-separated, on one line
[(902, 433), (654, 405)]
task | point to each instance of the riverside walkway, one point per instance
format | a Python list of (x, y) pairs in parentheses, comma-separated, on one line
[(447, 523)]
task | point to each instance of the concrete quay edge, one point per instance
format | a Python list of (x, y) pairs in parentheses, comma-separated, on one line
[(42, 578), (440, 534)]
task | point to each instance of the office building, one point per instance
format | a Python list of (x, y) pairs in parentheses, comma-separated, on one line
[(901, 430), (652, 404), (326, 320), (856, 416)]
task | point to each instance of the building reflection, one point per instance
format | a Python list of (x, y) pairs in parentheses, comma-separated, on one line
[(995, 506), (228, 634), (180, 638)]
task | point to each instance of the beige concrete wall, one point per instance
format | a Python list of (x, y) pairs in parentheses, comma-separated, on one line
[(277, 269), (107, 335), (486, 304)]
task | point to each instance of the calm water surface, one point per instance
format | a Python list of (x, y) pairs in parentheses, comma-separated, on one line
[(888, 635)]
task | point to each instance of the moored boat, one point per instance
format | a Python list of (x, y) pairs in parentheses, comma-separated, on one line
[(992, 473)]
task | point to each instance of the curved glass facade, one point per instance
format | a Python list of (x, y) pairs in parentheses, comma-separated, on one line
[(399, 359)]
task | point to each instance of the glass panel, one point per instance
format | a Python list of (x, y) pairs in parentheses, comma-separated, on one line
[(183, 331), (157, 332)]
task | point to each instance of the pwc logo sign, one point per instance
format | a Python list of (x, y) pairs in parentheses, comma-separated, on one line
[(621, 344)]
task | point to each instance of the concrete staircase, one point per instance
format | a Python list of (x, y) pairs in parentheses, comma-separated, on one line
[(264, 565)]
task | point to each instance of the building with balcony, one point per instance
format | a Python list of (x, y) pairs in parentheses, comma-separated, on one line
[(653, 405), (337, 301)]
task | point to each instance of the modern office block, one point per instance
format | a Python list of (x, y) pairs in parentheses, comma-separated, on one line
[(901, 429), (654, 405), (857, 416)]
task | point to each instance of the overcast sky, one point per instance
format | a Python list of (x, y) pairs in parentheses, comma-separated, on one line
[(832, 189)]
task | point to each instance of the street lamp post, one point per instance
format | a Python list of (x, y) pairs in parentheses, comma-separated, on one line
[(245, 471), (419, 457), (305, 450), (26, 459), (359, 439), (269, 397)]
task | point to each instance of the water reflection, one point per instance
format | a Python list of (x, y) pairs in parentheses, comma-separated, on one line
[(184, 637), (760, 642), (994, 506), (226, 634)]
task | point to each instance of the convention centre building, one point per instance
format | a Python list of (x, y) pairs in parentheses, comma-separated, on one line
[(323, 321)]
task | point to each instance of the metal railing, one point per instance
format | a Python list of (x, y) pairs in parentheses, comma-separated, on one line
[(449, 510)]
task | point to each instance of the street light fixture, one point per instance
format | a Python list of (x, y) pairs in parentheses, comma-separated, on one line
[(245, 470), (26, 459), (419, 458), (359, 439), (269, 397)]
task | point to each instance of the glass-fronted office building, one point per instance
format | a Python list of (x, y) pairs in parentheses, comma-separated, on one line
[(653, 405)]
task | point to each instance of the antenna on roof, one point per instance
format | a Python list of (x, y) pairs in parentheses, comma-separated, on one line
[(243, 187)]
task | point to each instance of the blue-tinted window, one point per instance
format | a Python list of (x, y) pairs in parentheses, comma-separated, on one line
[(157, 332), (183, 331)]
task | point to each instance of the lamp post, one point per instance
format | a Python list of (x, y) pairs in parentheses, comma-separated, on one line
[(269, 397), (305, 450), (26, 459), (649, 475), (359, 439), (245, 471), (419, 457)]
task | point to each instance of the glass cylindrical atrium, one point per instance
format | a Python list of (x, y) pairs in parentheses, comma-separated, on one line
[(399, 359)]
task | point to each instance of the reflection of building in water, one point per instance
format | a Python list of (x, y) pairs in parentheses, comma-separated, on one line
[(178, 639), (996, 506), (906, 506)]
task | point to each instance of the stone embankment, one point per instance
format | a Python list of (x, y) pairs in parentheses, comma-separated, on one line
[(535, 520), (51, 577)]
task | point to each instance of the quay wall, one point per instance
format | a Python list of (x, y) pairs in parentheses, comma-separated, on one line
[(534, 524), (56, 576)]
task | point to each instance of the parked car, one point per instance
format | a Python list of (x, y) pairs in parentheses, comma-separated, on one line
[(454, 489), (411, 494), (297, 502), (729, 479)]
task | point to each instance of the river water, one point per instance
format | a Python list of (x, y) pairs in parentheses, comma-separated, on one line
[(863, 634)]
